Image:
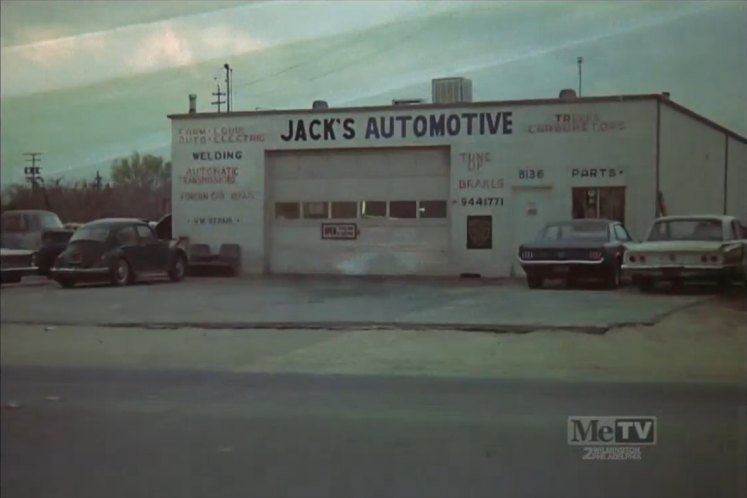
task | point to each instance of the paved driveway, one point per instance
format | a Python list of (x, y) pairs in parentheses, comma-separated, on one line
[(338, 302)]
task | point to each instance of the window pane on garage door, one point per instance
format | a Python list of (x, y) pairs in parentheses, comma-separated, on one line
[(373, 209), (287, 210), (433, 209), (315, 210), (403, 209), (344, 210)]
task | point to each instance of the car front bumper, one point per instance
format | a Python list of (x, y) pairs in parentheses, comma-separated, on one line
[(558, 269), (681, 272)]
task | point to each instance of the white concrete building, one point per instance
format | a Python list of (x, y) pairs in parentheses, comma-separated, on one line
[(446, 188)]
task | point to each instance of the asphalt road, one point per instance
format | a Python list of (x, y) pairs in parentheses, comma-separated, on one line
[(97, 433), (329, 302)]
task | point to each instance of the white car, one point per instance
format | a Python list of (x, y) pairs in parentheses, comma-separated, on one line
[(689, 248)]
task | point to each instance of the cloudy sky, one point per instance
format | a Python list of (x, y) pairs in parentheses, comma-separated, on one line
[(85, 82)]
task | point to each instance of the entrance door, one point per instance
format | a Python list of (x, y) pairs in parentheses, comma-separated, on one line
[(531, 210)]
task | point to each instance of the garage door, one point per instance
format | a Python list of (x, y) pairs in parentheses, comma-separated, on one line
[(359, 212)]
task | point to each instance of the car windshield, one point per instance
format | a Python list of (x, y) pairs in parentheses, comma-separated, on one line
[(98, 234), (568, 231), (686, 230), (50, 220)]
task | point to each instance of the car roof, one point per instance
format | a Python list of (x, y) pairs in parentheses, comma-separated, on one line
[(28, 211), (704, 217), (115, 221), (584, 220)]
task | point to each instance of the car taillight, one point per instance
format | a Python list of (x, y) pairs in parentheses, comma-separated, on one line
[(714, 259), (639, 258)]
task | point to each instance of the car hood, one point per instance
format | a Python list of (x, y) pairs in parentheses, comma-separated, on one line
[(564, 244), (677, 246)]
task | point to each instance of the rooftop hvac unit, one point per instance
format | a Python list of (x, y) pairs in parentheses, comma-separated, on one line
[(320, 104), (567, 94), (451, 90)]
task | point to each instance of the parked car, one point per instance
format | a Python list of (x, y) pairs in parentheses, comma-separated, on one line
[(576, 249), (16, 264), (689, 248), (53, 243), (23, 229), (118, 250)]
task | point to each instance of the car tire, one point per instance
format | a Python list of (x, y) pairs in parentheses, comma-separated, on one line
[(645, 284), (534, 282), (613, 278), (178, 268), (122, 273), (65, 283)]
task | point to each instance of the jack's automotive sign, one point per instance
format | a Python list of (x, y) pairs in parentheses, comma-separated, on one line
[(399, 126)]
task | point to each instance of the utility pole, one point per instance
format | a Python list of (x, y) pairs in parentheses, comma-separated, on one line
[(98, 180), (229, 73), (218, 94), (580, 61), (33, 172)]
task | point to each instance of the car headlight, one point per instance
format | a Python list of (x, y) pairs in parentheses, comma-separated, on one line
[(527, 255), (595, 255)]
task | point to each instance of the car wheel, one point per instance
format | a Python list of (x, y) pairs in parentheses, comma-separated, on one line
[(66, 283), (613, 277), (645, 284), (178, 268), (122, 273), (534, 282)]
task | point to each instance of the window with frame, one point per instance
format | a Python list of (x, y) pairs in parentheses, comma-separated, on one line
[(432, 209), (403, 209), (316, 210), (599, 202), (145, 234), (287, 210), (344, 210), (127, 236), (373, 209), (621, 233)]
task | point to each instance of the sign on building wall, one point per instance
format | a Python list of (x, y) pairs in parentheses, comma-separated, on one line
[(399, 126), (480, 232)]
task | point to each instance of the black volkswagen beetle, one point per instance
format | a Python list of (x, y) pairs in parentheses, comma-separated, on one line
[(118, 250), (576, 249)]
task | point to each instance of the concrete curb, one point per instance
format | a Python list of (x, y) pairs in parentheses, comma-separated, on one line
[(466, 327)]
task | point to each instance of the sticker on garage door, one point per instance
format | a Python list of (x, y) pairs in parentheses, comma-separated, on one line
[(339, 231)]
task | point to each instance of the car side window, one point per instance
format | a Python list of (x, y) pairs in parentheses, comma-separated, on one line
[(127, 236), (32, 223), (736, 232), (145, 234), (621, 233)]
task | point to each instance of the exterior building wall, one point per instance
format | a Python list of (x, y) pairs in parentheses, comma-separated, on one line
[(736, 180), (500, 156), (691, 164)]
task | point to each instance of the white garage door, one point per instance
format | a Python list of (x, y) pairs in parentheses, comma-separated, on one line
[(383, 211)]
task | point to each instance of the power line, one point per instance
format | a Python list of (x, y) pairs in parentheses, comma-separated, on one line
[(328, 54), (366, 57)]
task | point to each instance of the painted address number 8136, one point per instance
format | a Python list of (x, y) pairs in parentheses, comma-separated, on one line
[(531, 174)]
